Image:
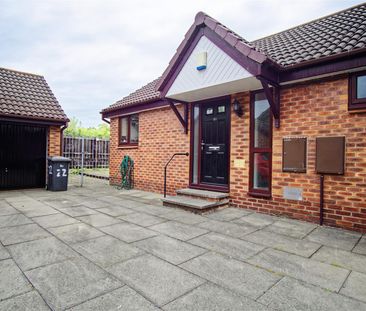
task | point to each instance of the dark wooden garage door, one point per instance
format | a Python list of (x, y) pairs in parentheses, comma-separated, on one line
[(22, 156)]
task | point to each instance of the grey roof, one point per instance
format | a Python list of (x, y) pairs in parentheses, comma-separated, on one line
[(341, 32), (142, 95), (338, 33), (26, 95)]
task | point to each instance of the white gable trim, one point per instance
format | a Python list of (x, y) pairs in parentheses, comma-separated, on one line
[(221, 69)]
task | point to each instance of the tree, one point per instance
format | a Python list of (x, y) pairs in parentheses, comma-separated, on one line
[(75, 129)]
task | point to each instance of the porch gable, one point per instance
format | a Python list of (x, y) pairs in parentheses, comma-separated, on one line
[(222, 76)]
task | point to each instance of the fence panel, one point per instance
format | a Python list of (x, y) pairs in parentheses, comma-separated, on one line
[(96, 152)]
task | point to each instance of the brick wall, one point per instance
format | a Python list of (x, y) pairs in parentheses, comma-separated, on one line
[(311, 110), (54, 142), (160, 136)]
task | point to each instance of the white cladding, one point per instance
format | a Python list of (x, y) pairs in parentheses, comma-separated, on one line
[(221, 69)]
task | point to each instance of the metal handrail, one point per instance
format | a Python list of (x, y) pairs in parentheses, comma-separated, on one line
[(166, 166)]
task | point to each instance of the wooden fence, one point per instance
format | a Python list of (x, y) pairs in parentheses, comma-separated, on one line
[(86, 152)]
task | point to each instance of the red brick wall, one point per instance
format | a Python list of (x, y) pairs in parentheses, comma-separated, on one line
[(160, 136), (54, 135), (311, 110), (315, 109)]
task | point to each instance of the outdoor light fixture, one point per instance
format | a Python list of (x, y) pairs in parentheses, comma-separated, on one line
[(237, 108)]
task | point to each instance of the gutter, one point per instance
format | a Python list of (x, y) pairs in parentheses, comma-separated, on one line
[(105, 120)]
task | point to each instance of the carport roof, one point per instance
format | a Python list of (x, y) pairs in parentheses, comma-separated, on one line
[(28, 96)]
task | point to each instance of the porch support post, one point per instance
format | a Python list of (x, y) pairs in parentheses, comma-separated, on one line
[(273, 98), (183, 120)]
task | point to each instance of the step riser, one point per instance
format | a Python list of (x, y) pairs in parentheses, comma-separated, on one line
[(209, 196), (200, 197), (194, 210)]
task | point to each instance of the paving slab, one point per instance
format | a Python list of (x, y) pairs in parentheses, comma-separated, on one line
[(355, 286), (292, 228), (305, 269), (14, 220), (33, 254), (7, 210), (227, 228), (128, 232), (341, 258), (210, 297), (18, 234), (229, 213), (99, 220), (61, 202), (13, 282), (76, 211), (226, 245), (115, 210), (4, 254), (333, 237), (235, 275), (142, 219), (121, 201), (34, 208), (152, 209), (178, 230), (283, 243), (124, 299), (292, 295), (106, 250), (156, 279), (71, 282), (360, 247), (30, 301), (256, 219), (75, 233), (169, 249), (95, 204), (54, 220), (185, 217), (14, 196)]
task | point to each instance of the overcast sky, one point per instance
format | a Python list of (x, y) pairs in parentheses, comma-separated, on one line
[(94, 52)]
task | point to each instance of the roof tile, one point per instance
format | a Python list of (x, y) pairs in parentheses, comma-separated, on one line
[(338, 33), (28, 95)]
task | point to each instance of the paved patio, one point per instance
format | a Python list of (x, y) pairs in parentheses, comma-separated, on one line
[(99, 248)]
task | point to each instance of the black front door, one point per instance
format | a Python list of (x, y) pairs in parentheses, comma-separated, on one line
[(22, 156), (214, 142)]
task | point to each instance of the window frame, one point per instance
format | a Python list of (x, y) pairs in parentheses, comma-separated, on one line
[(252, 150), (355, 103), (128, 143)]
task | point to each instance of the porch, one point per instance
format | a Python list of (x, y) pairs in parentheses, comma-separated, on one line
[(99, 248)]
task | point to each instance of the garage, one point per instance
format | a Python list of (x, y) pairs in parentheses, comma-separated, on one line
[(22, 156), (31, 125)]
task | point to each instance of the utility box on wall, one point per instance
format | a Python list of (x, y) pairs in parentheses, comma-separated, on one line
[(294, 154), (330, 155)]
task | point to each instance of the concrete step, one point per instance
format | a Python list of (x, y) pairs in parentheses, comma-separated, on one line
[(194, 205), (203, 194)]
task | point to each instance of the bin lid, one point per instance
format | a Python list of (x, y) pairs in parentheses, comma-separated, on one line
[(59, 159)]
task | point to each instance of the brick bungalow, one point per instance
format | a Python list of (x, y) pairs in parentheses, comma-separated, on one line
[(31, 125), (252, 115)]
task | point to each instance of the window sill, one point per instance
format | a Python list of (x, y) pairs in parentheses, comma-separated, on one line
[(128, 146), (356, 109), (260, 195)]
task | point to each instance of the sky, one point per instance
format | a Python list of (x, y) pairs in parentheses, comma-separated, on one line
[(94, 52)]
